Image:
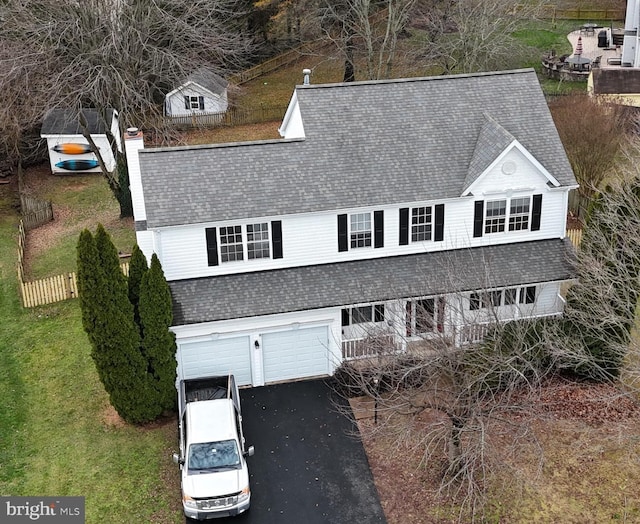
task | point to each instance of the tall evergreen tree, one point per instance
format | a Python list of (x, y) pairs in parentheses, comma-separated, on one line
[(92, 290), (115, 337), (158, 342), (137, 268)]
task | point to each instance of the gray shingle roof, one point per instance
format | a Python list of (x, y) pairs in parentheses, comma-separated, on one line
[(209, 80), (363, 281), (65, 122), (367, 144), (492, 140)]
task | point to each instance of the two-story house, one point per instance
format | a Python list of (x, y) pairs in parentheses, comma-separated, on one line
[(411, 208)]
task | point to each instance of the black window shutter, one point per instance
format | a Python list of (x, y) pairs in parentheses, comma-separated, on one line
[(212, 246), (536, 212), (478, 218), (187, 102), (276, 238), (346, 317), (378, 313), (404, 226), (439, 232), (378, 229), (201, 102), (342, 233)]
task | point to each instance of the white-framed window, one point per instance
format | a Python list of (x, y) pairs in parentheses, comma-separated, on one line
[(425, 315), (231, 246), (237, 239), (502, 297), (527, 295), (515, 211), (258, 241), (363, 314), (510, 296), (360, 230), (495, 216), (194, 102), (519, 212), (421, 224)]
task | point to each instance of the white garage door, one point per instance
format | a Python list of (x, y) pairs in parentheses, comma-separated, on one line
[(295, 353), (216, 357)]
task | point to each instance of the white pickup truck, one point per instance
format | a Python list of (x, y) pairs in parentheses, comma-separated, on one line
[(215, 478)]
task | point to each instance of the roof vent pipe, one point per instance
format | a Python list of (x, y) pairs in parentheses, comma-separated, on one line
[(306, 74)]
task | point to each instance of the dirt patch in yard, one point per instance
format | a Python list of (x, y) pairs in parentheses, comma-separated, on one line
[(589, 435)]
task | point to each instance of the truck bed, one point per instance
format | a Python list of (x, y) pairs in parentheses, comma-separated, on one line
[(206, 389)]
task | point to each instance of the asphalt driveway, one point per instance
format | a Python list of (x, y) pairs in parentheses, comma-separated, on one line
[(308, 468)]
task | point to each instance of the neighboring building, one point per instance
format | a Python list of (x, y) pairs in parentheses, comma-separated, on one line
[(69, 151), (618, 79), (420, 207), (202, 93)]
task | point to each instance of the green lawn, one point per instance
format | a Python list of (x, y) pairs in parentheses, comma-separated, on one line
[(79, 202), (57, 433)]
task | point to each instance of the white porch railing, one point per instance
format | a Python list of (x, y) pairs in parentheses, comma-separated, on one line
[(474, 333), (369, 347)]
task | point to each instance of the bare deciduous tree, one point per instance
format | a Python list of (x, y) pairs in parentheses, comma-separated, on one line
[(122, 54), (593, 133), (601, 309), (468, 36), (366, 28)]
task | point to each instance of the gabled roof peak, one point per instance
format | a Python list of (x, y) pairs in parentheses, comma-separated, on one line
[(493, 139), (415, 79)]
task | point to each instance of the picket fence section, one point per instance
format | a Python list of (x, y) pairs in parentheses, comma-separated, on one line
[(234, 116), (47, 290), (53, 289)]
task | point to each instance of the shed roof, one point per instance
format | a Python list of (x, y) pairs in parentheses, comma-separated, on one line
[(65, 122), (206, 78), (366, 144), (363, 281)]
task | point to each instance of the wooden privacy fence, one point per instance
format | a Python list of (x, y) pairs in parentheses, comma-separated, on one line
[(583, 14), (35, 212), (277, 62), (47, 290)]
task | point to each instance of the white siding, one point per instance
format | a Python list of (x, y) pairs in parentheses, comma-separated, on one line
[(313, 238), (212, 103)]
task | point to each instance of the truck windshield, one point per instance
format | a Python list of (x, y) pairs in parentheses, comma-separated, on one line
[(214, 455)]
